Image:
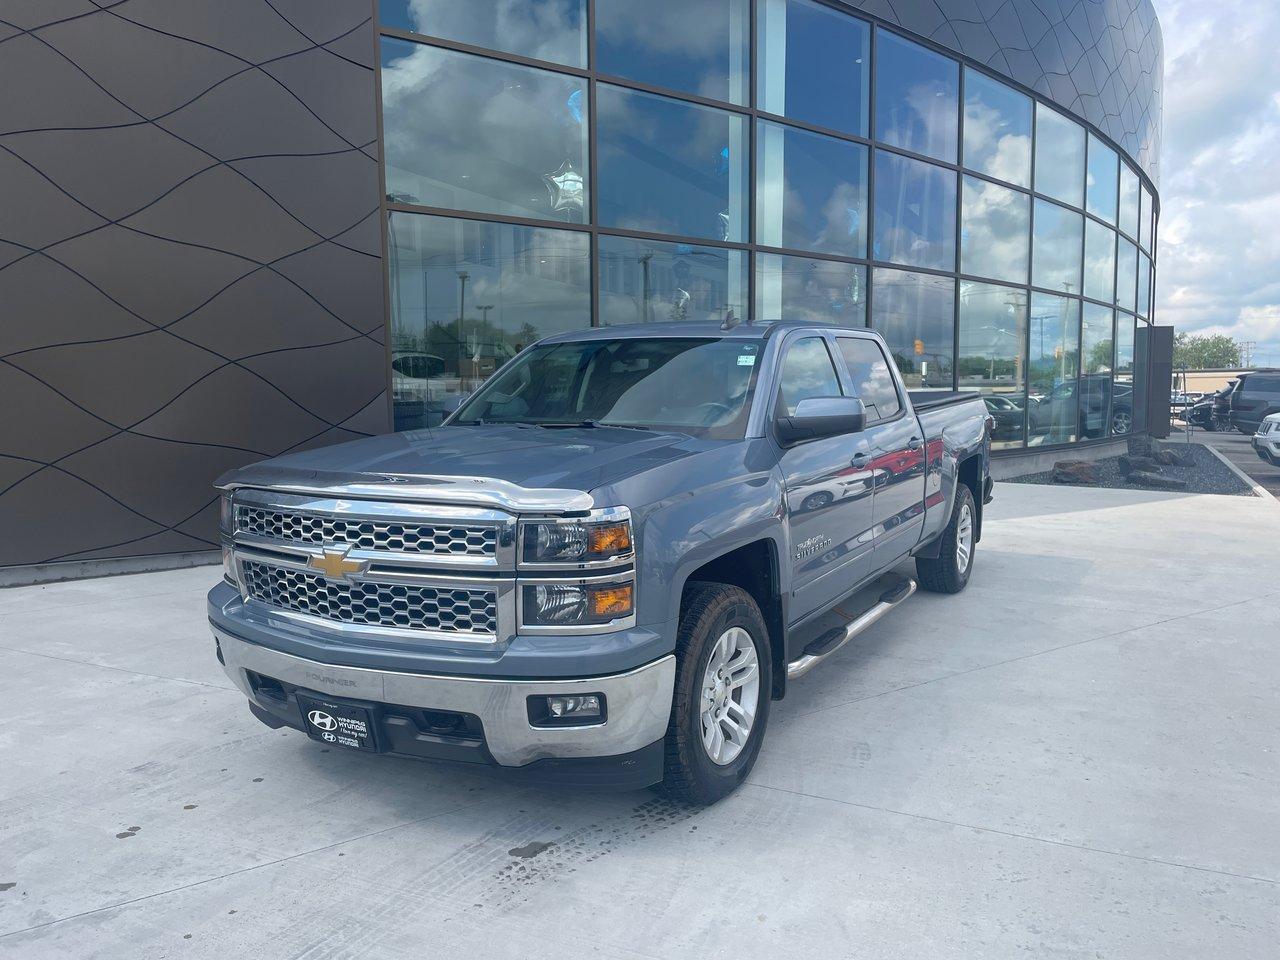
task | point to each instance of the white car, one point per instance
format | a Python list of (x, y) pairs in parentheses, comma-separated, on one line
[(1266, 441)]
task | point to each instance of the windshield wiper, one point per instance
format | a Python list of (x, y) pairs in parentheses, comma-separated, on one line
[(587, 424)]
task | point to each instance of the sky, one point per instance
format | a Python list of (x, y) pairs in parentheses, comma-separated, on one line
[(1219, 240)]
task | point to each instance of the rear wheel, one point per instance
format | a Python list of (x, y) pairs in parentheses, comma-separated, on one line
[(721, 701), (948, 572)]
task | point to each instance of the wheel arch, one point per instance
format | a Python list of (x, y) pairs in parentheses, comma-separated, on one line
[(755, 568)]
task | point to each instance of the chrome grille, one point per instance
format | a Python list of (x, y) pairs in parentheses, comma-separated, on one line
[(398, 606), (440, 540)]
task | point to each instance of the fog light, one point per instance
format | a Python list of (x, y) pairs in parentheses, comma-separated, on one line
[(568, 710), (586, 706)]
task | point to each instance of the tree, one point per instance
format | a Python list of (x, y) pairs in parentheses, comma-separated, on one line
[(1203, 352)]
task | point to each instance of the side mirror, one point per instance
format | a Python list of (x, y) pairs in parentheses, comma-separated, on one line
[(818, 417)]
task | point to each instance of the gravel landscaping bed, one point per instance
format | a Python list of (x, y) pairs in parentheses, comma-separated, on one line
[(1204, 474)]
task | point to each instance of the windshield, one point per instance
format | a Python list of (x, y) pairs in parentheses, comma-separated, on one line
[(693, 385)]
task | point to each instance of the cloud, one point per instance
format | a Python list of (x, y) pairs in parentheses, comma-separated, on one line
[(1219, 253)]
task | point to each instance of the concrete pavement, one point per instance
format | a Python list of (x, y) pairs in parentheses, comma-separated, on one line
[(1076, 757)]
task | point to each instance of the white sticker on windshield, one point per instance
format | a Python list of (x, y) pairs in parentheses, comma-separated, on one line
[(746, 359)]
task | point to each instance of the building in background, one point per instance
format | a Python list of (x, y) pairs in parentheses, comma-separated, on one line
[(232, 230)]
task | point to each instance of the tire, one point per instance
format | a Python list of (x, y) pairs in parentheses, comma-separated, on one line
[(708, 613), (947, 573)]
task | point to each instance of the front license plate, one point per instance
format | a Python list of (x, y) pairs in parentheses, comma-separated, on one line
[(340, 724)]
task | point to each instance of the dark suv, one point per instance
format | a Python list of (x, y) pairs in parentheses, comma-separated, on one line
[(1256, 395)]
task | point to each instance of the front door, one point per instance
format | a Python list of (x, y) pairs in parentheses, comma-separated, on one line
[(829, 490)]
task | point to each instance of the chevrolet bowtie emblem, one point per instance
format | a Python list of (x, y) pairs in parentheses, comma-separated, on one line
[(335, 565)]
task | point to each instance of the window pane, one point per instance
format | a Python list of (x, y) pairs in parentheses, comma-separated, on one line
[(450, 120), (811, 191), (1147, 223), (915, 212), (915, 313), (1103, 182), (817, 291), (466, 296), (644, 280), (1123, 394), (997, 129), (671, 167), (1128, 200), (1097, 346), (995, 231), (993, 336), (1099, 262), (1054, 363), (871, 378), (1127, 276), (1059, 157), (1057, 248), (806, 372), (1144, 286), (699, 46), (553, 30), (917, 98), (811, 64)]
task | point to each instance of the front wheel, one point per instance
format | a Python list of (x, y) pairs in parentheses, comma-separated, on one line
[(720, 706), (948, 572)]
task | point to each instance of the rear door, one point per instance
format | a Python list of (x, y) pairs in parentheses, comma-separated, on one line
[(829, 488), (896, 457)]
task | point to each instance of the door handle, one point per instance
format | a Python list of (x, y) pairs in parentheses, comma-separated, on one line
[(915, 443), (858, 459)]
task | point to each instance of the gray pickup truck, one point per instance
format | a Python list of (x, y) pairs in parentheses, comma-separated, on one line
[(608, 562)]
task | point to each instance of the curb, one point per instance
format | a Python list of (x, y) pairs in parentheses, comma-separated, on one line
[(1257, 488)]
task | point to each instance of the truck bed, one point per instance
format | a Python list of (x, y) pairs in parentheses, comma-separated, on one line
[(932, 399)]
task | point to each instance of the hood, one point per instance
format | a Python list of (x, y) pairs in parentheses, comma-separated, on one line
[(512, 466)]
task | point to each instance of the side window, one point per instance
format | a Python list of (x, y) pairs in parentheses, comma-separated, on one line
[(872, 382), (806, 372)]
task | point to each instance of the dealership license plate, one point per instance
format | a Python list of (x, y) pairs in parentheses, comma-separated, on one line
[(340, 724)]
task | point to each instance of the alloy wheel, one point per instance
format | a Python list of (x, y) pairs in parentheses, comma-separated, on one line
[(730, 695)]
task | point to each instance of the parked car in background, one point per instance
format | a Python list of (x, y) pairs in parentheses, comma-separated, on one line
[(1266, 441), (1256, 396), (1008, 417), (1212, 411)]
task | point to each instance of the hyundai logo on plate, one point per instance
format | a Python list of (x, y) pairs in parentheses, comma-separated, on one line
[(322, 721)]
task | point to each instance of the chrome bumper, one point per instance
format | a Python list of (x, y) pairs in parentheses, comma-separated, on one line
[(639, 701)]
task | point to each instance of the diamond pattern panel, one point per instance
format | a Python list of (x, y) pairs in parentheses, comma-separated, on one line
[(185, 190)]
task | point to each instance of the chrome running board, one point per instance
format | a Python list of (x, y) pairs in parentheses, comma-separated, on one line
[(833, 640)]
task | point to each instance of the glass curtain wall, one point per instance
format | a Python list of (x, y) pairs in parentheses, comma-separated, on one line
[(730, 160)]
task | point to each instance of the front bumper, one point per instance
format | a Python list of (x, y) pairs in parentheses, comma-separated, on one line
[(405, 704), (1267, 443)]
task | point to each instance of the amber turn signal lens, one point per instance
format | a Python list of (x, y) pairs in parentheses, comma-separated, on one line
[(609, 538), (611, 601)]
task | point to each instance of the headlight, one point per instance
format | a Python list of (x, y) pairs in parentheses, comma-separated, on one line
[(224, 513), (576, 541), (577, 604)]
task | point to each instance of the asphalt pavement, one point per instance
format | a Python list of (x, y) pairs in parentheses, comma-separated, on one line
[(1236, 447)]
